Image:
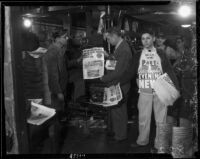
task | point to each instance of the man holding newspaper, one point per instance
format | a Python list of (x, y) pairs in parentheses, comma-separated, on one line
[(117, 68)]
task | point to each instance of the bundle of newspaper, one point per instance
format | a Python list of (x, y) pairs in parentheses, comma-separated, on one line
[(40, 114), (165, 90), (112, 96), (93, 63), (40, 51)]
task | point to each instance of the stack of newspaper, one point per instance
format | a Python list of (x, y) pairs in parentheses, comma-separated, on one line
[(112, 96), (93, 63), (166, 90), (40, 114)]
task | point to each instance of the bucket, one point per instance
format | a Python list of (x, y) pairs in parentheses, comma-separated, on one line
[(163, 137), (182, 145)]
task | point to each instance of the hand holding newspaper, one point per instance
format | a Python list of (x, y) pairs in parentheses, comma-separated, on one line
[(40, 114)]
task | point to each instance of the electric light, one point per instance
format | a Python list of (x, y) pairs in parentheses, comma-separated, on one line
[(27, 23), (184, 11), (185, 25)]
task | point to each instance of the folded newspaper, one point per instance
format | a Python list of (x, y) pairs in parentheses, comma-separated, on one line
[(165, 90), (38, 52), (93, 63), (112, 96), (40, 114)]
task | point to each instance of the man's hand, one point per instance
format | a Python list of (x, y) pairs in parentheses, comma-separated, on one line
[(106, 54), (60, 96), (80, 59)]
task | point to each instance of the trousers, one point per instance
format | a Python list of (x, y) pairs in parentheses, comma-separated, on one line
[(146, 103)]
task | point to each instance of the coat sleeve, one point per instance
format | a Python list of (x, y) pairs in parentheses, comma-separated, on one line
[(120, 68), (167, 67), (53, 74)]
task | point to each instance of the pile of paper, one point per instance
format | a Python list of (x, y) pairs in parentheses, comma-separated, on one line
[(40, 114), (93, 63), (112, 96), (165, 90)]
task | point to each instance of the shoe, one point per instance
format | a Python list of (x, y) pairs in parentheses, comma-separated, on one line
[(135, 145), (153, 150), (113, 140), (110, 134), (63, 120)]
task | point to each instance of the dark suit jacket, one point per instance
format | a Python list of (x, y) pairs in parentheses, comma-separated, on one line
[(123, 56), (57, 73)]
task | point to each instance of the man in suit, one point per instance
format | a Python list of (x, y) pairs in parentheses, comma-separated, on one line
[(122, 57), (57, 73)]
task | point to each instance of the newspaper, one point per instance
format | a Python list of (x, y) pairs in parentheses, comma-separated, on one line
[(166, 90), (112, 96), (38, 52), (40, 114), (93, 63)]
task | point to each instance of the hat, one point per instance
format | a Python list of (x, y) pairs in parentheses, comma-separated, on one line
[(149, 31), (162, 35), (59, 34)]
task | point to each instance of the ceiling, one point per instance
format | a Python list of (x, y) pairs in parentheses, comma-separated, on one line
[(164, 14)]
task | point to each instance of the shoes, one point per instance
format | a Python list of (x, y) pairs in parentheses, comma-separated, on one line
[(135, 145), (113, 141), (153, 150), (110, 134), (63, 120)]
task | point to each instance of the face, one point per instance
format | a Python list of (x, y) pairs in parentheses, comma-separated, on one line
[(112, 39), (179, 43), (62, 41), (147, 40), (160, 41)]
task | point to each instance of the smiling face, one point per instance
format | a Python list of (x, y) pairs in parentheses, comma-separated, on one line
[(147, 40)]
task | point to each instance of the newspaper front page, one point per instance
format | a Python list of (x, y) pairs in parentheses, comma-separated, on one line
[(93, 63)]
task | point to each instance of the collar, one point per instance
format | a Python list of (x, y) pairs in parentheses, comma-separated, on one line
[(118, 44), (153, 49)]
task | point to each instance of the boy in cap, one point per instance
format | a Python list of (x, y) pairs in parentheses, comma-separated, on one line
[(148, 66)]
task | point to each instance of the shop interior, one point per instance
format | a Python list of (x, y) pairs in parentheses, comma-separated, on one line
[(83, 129)]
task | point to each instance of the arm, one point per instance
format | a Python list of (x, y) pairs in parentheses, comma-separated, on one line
[(121, 67), (167, 67)]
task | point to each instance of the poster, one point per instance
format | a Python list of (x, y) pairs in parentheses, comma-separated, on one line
[(149, 70), (93, 63)]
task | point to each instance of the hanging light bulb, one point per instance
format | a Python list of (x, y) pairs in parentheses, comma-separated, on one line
[(184, 11), (27, 23)]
